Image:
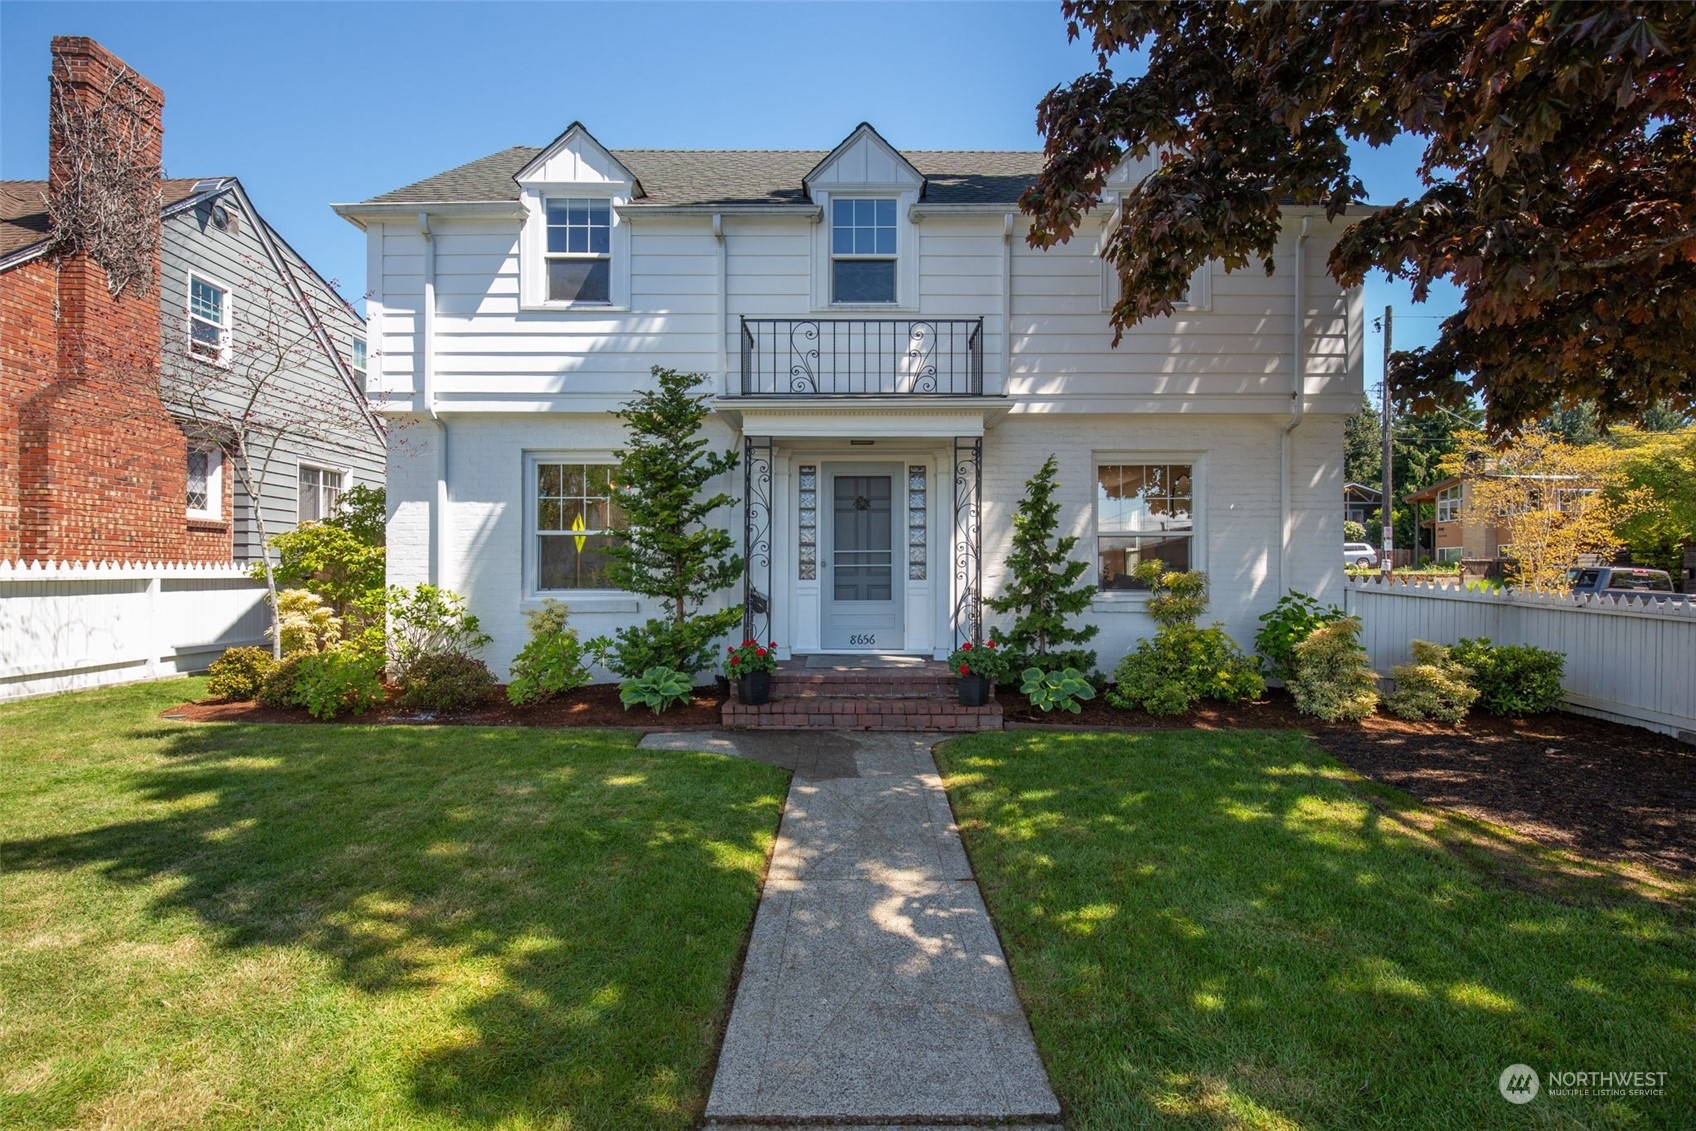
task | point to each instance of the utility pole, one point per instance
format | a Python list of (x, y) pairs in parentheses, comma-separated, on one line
[(1386, 563)]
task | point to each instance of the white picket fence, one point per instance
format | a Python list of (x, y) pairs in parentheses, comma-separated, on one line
[(1628, 660), (67, 625)]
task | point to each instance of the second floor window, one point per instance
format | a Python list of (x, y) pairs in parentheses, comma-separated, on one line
[(357, 363), (208, 320), (579, 250), (1448, 504), (862, 251)]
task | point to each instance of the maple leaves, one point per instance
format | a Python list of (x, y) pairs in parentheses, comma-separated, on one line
[(1559, 176)]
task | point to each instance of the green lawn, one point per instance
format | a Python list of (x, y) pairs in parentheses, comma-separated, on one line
[(1228, 930), (339, 926)]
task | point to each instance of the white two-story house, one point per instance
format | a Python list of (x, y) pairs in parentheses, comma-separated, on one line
[(890, 356)]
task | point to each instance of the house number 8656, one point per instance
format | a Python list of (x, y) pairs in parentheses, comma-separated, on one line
[(862, 638)]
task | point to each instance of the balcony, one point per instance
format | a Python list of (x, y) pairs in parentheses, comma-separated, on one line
[(862, 357)]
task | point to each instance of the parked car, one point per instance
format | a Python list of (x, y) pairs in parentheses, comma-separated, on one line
[(1359, 554), (1624, 581)]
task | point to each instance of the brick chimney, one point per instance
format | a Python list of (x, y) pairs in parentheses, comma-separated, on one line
[(102, 466)]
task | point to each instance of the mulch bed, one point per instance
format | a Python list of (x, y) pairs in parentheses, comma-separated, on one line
[(594, 706), (1598, 788)]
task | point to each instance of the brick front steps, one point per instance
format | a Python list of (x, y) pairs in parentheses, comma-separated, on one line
[(848, 698)]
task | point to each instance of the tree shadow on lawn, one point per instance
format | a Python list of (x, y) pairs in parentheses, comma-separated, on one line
[(581, 904), (1230, 930)]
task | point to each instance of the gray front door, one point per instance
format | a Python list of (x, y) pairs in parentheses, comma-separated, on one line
[(862, 587)]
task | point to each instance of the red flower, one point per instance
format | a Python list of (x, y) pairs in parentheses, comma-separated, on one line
[(734, 660), (774, 644), (989, 644), (964, 670), (732, 651), (966, 647), (759, 651)]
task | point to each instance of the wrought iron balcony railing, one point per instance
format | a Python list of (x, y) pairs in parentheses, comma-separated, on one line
[(862, 357)]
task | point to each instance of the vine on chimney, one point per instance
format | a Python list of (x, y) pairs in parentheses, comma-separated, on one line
[(104, 196)]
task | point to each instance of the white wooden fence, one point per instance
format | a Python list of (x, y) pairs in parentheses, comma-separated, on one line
[(71, 625), (1628, 660)]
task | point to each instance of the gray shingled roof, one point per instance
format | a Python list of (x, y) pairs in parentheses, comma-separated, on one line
[(736, 176), (23, 210)]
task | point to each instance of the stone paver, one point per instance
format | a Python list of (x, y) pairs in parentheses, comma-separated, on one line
[(875, 989)]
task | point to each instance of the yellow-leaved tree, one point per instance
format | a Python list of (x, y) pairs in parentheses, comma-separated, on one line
[(1549, 501)]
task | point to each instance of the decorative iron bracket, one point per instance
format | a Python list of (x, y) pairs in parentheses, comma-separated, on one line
[(968, 539), (756, 537)]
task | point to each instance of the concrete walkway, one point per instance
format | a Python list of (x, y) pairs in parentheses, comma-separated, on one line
[(875, 989)]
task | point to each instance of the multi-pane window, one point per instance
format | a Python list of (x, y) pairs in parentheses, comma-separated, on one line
[(1143, 512), (1448, 504), (579, 250), (319, 489), (576, 514), (208, 319), (203, 469), (862, 251), (357, 363)]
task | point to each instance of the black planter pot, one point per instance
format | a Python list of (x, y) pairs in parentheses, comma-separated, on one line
[(974, 690), (754, 689)]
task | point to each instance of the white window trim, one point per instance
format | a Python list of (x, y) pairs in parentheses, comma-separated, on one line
[(226, 331), (532, 565), (214, 509), (1449, 498), (1197, 462), (306, 464), (1198, 298), (906, 251), (533, 248)]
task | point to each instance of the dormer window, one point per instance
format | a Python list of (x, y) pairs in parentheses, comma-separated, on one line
[(579, 256), (862, 250)]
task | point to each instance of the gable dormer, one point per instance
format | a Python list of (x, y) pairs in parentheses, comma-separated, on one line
[(574, 248), (867, 254)]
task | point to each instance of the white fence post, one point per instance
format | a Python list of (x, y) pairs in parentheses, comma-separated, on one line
[(67, 625), (1629, 660)]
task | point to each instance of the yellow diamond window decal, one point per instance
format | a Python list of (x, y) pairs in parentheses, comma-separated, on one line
[(577, 524)]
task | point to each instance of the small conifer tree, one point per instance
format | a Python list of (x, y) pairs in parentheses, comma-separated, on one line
[(667, 547), (1042, 589)]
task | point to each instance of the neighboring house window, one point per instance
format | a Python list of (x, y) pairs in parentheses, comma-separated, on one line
[(1143, 512), (862, 250), (208, 320), (579, 250), (1449, 553), (575, 517), (1448, 504), (358, 363), (320, 487), (205, 482)]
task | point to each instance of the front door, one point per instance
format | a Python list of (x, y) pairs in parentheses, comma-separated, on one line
[(861, 587)]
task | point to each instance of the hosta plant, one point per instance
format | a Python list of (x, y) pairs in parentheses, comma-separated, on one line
[(1062, 689), (657, 688)]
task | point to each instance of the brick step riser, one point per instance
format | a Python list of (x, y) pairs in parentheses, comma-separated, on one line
[(863, 715)]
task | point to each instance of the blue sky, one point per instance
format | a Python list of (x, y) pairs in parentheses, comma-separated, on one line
[(310, 103)]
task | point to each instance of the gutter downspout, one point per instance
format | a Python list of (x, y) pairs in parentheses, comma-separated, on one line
[(1006, 301), (723, 305), (427, 393), (1298, 406)]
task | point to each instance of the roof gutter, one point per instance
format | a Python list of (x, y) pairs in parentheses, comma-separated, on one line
[(358, 214), (1298, 406), (631, 211)]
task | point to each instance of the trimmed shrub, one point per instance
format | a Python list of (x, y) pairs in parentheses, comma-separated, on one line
[(1432, 687), (281, 686), (1332, 675), (551, 661), (1183, 664), (1287, 624), (446, 684), (239, 673), (339, 682), (428, 621), (1513, 679), (305, 624), (689, 647)]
